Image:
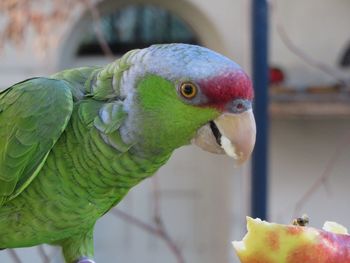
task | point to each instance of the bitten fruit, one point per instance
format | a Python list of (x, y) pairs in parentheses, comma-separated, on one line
[(275, 243)]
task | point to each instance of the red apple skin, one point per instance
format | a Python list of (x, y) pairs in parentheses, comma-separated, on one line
[(276, 243), (332, 248)]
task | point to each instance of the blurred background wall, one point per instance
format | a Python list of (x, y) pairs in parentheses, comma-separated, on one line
[(203, 198)]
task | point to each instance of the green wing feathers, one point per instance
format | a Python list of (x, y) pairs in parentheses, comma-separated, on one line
[(33, 115)]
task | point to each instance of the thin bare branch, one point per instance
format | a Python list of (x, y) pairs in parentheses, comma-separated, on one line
[(45, 258), (159, 231), (95, 14), (156, 197), (135, 221), (342, 145), (290, 44), (14, 256), (159, 221)]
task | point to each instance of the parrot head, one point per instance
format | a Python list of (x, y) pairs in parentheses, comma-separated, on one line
[(176, 94)]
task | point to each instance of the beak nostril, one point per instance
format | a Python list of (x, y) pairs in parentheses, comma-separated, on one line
[(239, 105)]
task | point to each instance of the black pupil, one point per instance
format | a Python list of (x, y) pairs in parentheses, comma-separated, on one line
[(188, 89)]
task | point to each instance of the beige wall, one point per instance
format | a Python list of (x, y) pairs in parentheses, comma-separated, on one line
[(300, 152), (320, 28)]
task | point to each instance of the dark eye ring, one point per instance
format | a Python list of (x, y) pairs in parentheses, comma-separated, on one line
[(188, 90)]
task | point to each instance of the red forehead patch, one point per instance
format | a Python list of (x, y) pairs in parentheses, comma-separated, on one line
[(227, 87)]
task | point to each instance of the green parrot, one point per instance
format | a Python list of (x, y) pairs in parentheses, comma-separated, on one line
[(72, 145)]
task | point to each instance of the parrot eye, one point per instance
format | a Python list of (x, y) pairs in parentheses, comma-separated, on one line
[(188, 90)]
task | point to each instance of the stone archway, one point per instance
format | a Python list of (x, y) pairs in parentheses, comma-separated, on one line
[(199, 22)]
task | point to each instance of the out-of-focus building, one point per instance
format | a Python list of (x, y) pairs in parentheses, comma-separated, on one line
[(204, 198)]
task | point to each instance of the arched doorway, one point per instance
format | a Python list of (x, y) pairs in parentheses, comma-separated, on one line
[(136, 26), (181, 11)]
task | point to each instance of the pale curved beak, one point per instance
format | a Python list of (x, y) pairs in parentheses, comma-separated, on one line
[(233, 134)]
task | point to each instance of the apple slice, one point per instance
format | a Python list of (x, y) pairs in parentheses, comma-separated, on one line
[(275, 243)]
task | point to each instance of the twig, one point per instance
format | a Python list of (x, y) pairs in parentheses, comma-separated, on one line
[(159, 221), (135, 221), (95, 14), (170, 243), (45, 258), (327, 173), (53, 253), (14, 256), (288, 42), (156, 197), (157, 230)]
